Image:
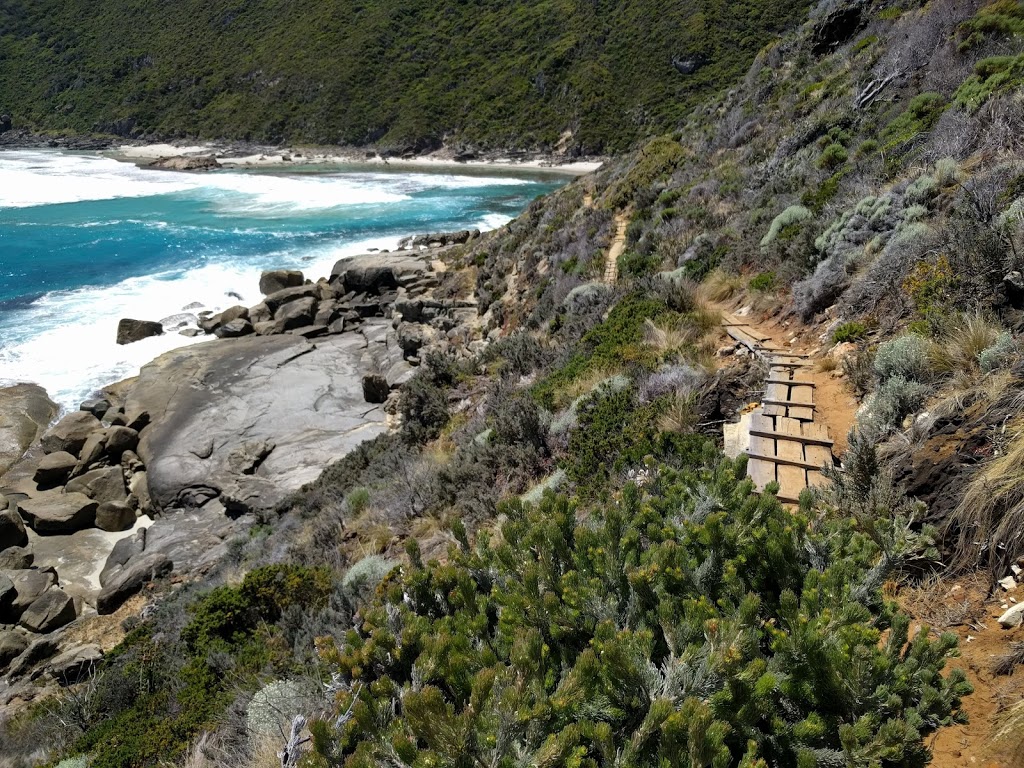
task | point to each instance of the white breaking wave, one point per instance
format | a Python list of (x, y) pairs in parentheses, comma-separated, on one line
[(31, 178)]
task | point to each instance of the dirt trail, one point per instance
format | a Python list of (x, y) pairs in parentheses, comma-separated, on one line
[(836, 407), (959, 606), (611, 264)]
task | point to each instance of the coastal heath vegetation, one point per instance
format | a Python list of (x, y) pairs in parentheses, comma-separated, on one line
[(550, 562)]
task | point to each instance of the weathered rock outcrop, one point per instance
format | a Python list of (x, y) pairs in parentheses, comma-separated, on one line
[(279, 279), (25, 412), (56, 512), (51, 610), (70, 433), (210, 401), (130, 331), (186, 163)]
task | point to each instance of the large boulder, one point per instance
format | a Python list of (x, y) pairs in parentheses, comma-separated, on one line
[(54, 469), (12, 527), (25, 412), (93, 451), (54, 513), (29, 586), (98, 407), (376, 273), (129, 580), (8, 593), (70, 433), (375, 388), (296, 314), (114, 516), (119, 440), (234, 329), (12, 645), (16, 558), (279, 279), (101, 485), (130, 331), (51, 610), (37, 651), (211, 324), (280, 298), (74, 665)]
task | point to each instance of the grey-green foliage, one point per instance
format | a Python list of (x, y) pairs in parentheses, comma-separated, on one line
[(999, 354), (871, 216), (795, 214), (78, 761), (921, 191), (552, 482), (363, 577), (906, 356), (894, 400), (584, 296), (915, 213)]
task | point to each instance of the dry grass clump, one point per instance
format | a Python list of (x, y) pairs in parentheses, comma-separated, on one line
[(720, 286), (1009, 733), (826, 364), (958, 352), (680, 415), (989, 521)]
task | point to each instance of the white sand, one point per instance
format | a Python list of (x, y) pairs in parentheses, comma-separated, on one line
[(301, 156)]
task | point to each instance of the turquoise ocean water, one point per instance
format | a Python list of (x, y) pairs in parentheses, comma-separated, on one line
[(86, 240)]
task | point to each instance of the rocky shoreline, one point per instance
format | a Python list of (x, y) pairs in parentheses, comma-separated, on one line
[(156, 477)]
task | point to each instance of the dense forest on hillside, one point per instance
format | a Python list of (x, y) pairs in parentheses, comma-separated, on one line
[(405, 75)]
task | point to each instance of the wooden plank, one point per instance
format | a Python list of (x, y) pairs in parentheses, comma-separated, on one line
[(817, 452), (801, 393), (800, 439), (790, 458), (775, 394), (791, 382), (774, 410), (786, 403), (781, 460), (762, 472), (803, 413)]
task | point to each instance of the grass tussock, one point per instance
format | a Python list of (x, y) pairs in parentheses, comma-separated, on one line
[(721, 286), (989, 520), (958, 352)]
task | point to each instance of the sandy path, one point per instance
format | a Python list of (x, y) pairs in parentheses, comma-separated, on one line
[(611, 264)]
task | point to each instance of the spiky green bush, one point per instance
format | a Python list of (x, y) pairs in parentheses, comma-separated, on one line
[(692, 623)]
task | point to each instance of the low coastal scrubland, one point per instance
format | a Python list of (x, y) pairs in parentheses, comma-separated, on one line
[(548, 560)]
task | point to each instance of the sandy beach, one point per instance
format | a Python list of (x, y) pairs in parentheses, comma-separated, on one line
[(438, 161)]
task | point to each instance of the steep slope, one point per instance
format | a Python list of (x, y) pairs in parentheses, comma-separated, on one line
[(398, 74)]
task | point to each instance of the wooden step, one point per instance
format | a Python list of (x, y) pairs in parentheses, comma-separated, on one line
[(788, 403), (792, 382), (785, 461), (795, 438)]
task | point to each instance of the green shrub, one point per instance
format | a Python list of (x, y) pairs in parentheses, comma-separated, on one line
[(696, 625), (868, 147), (790, 217), (993, 75), (633, 264), (763, 282), (833, 156), (1003, 18), (921, 114), (853, 330)]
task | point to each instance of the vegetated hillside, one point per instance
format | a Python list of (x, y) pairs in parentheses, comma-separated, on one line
[(403, 75), (551, 563)]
